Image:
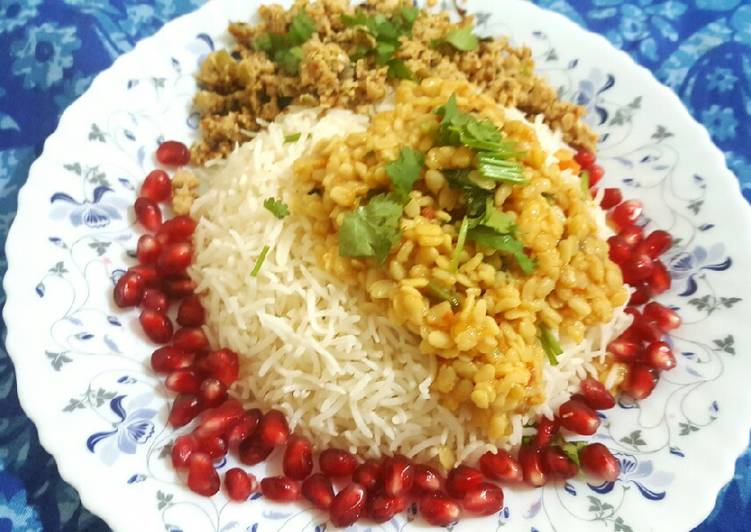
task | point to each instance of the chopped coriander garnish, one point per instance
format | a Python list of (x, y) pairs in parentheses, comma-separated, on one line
[(259, 261), (463, 39), (371, 230), (444, 294), (498, 221), (285, 49), (572, 448), (505, 243), (460, 240), (584, 176), (550, 345), (276, 207), (292, 137), (398, 69), (498, 168), (405, 171)]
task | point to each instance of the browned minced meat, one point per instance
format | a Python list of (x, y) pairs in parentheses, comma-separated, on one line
[(238, 88)]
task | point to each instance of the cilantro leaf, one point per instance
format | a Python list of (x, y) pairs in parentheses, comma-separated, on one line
[(550, 345), (276, 207), (444, 294), (505, 243), (301, 29), (387, 30), (460, 241), (292, 137), (259, 261), (405, 171), (371, 230), (498, 221), (285, 49), (463, 39), (398, 69)]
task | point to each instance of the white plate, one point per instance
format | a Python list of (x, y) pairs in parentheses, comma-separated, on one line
[(81, 364)]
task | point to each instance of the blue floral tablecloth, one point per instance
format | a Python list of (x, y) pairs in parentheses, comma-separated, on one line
[(50, 50)]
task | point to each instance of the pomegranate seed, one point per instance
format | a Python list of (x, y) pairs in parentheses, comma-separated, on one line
[(619, 250), (148, 249), (168, 358), (426, 480), (632, 235), (348, 505), (596, 395), (244, 429), (546, 429), (666, 318), (640, 381), (557, 464), (461, 479), (175, 258), (319, 491), (148, 214), (624, 350), (642, 293), (129, 290), (239, 484), (656, 243), (220, 420), (178, 287), (336, 463), (597, 461), (659, 356), (398, 476), (439, 510), (382, 508), (155, 300), (627, 213), (595, 174), (222, 364), (183, 381), (483, 499), (190, 339), (202, 477), (156, 325), (585, 159), (660, 280), (273, 429), (190, 313), (577, 417), (610, 198), (369, 475), (183, 447), (500, 466), (184, 409), (178, 229), (173, 153), (252, 451), (157, 186), (644, 329), (297, 462), (637, 269), (212, 392), (280, 489), (214, 446), (151, 277), (530, 460)]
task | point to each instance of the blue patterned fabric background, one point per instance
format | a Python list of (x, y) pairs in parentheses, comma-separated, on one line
[(50, 50)]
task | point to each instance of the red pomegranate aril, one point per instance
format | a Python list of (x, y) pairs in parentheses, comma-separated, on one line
[(183, 447), (426, 480), (148, 249), (157, 186), (618, 249), (214, 446), (240, 484), (500, 466), (155, 300), (483, 499), (398, 476), (546, 429), (557, 464), (173, 153), (223, 364), (660, 356), (585, 159), (664, 317), (178, 287), (297, 462), (642, 293), (369, 475), (624, 350), (632, 235), (169, 358), (212, 392), (156, 325), (577, 417), (190, 339), (439, 510), (610, 198), (175, 258), (184, 409), (640, 381), (656, 243), (191, 313), (183, 381), (596, 395), (244, 429), (337, 463), (280, 489), (148, 213), (220, 420), (660, 281), (461, 479), (530, 460), (129, 290), (595, 174), (645, 329), (348, 505), (597, 461), (637, 269), (318, 490), (177, 229), (252, 451), (627, 213), (382, 508), (273, 429), (202, 477), (151, 277)]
